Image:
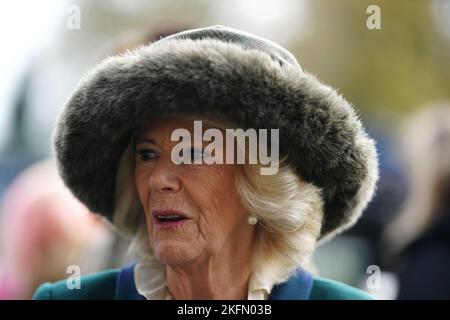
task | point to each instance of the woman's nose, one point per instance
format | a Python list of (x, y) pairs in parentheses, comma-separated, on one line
[(164, 177)]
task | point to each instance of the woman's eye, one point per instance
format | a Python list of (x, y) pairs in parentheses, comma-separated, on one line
[(147, 155)]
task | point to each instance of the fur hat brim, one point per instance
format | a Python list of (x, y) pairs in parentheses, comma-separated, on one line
[(319, 131)]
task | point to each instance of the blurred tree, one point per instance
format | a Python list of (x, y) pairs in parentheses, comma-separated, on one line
[(395, 69)]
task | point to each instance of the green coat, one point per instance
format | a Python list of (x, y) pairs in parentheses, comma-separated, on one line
[(118, 284)]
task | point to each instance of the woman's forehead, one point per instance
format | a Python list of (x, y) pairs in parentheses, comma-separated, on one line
[(165, 126)]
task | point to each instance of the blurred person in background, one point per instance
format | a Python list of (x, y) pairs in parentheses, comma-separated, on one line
[(44, 230), (417, 243)]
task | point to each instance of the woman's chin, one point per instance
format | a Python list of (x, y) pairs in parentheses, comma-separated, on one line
[(173, 252)]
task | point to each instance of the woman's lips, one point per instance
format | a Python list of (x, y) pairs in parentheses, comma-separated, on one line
[(168, 218)]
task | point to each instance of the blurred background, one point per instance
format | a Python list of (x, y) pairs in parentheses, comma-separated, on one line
[(398, 77)]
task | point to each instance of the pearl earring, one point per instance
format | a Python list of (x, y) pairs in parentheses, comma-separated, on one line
[(252, 220)]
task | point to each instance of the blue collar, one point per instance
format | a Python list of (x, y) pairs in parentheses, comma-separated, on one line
[(125, 285), (297, 287)]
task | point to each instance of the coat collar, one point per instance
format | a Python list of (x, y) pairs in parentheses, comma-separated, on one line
[(297, 287)]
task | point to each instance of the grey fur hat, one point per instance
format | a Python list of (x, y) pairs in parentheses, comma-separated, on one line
[(209, 72)]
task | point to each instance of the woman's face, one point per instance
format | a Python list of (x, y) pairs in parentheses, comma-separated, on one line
[(192, 210)]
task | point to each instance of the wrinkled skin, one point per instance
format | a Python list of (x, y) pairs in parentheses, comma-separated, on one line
[(216, 239)]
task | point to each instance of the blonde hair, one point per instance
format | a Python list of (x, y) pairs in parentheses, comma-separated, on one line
[(289, 212), (290, 215)]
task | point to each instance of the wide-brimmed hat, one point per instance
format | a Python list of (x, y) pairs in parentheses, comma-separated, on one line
[(216, 72)]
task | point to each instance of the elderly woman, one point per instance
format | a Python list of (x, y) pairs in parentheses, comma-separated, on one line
[(213, 229)]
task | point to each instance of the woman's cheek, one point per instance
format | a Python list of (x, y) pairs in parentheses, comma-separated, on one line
[(212, 193), (212, 225)]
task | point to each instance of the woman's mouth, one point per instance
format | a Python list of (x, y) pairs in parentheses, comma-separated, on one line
[(167, 218)]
